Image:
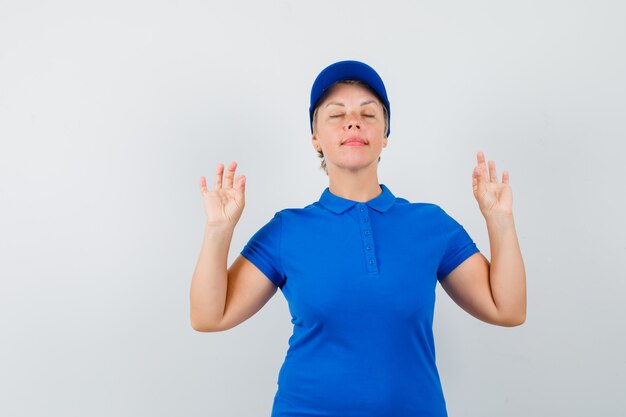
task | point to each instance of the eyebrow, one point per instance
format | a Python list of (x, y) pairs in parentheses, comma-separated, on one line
[(341, 104)]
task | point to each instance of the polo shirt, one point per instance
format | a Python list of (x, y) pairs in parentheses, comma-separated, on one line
[(359, 279)]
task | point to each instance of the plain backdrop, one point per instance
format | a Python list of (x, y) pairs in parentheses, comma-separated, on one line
[(110, 112)]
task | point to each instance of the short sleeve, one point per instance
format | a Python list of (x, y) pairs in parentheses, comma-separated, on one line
[(458, 245), (263, 250)]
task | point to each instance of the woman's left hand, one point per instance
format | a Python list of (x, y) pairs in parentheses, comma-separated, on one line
[(494, 198)]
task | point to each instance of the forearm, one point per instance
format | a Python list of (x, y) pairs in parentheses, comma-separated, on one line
[(507, 274), (210, 278)]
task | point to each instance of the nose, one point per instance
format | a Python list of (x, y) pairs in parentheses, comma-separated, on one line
[(353, 122)]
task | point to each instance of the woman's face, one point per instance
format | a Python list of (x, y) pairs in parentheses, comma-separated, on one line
[(350, 127)]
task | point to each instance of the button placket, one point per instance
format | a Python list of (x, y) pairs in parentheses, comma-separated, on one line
[(368, 239)]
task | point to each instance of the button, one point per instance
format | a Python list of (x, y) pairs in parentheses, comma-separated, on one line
[(365, 220), (369, 247), (367, 232), (362, 208), (371, 261)]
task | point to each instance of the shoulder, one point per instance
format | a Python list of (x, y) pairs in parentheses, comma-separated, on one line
[(296, 218), (429, 208), (430, 215), (296, 213), (421, 208)]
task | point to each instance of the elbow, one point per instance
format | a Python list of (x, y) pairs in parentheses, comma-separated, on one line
[(202, 321), (513, 321), (200, 329), (203, 327)]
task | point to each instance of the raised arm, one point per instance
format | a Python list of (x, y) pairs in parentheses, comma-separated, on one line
[(223, 207), (493, 292)]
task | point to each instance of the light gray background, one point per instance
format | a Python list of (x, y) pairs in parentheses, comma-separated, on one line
[(110, 112)]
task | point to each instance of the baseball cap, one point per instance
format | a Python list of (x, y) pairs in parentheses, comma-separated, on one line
[(348, 70)]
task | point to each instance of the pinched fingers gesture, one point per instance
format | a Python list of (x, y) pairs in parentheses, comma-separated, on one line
[(224, 204), (493, 197)]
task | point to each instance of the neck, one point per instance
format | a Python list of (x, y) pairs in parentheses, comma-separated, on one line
[(358, 186)]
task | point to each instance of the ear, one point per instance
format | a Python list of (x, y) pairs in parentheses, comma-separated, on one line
[(315, 142)]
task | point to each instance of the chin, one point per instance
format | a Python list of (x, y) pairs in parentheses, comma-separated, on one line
[(355, 165)]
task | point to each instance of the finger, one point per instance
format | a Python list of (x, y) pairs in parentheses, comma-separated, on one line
[(505, 177), (493, 177), (482, 166), (203, 185), (481, 170), (230, 174), (218, 177), (475, 178), (240, 182)]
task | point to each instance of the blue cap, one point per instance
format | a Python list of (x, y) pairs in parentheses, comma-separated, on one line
[(348, 70)]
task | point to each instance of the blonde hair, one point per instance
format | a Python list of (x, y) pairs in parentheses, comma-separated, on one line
[(320, 154)]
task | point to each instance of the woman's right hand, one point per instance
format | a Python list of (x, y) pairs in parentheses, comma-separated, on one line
[(223, 205)]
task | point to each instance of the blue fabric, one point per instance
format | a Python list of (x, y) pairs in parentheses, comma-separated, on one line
[(360, 280)]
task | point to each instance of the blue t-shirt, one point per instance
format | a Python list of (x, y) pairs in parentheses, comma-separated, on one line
[(360, 279)]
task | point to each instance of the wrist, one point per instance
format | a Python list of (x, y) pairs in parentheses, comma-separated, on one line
[(218, 229), (499, 219)]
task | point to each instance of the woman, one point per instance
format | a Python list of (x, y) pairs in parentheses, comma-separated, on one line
[(359, 267)]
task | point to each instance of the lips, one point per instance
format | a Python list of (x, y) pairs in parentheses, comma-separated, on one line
[(354, 139)]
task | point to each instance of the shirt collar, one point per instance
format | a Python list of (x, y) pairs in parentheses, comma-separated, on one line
[(381, 202)]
